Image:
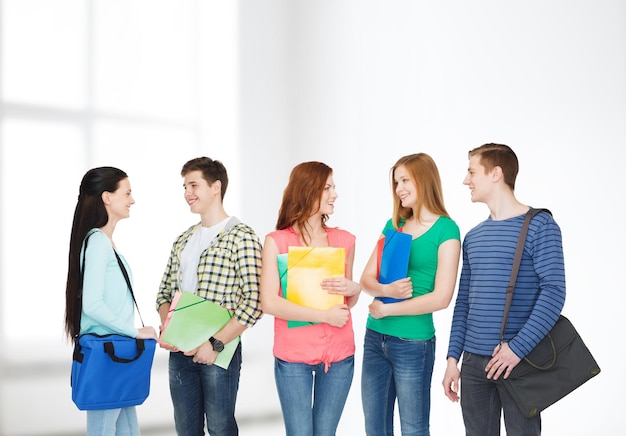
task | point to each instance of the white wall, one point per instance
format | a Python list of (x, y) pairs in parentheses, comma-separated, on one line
[(357, 84)]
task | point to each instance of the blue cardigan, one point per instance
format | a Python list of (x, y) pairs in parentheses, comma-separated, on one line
[(107, 303)]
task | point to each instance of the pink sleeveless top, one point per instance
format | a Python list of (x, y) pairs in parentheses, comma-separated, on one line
[(315, 343)]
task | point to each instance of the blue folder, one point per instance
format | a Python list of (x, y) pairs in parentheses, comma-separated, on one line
[(394, 259)]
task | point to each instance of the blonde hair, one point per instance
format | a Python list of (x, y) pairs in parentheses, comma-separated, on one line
[(425, 175)]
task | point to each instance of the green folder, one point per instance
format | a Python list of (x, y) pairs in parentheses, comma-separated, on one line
[(192, 320)]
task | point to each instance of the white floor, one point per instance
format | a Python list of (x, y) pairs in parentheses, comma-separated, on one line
[(36, 402), (35, 397)]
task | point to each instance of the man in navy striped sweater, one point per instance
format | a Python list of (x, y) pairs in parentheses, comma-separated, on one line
[(488, 252)]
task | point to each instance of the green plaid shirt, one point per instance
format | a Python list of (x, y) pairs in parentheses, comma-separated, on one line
[(228, 271)]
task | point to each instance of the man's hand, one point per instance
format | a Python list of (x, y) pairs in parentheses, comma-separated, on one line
[(451, 380), (204, 354), (502, 362)]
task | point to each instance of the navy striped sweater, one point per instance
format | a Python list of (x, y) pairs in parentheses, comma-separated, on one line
[(488, 252)]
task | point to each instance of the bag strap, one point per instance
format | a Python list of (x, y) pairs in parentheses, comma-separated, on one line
[(519, 250), (109, 348), (130, 288), (82, 278)]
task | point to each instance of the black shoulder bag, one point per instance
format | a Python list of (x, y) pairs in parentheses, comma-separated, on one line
[(560, 363)]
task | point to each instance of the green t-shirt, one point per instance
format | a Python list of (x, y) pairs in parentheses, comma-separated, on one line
[(422, 270)]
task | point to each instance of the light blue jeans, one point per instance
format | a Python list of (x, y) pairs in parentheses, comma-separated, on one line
[(113, 422), (312, 400), (396, 368), (202, 391)]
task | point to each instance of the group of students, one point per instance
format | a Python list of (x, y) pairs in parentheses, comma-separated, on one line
[(222, 260)]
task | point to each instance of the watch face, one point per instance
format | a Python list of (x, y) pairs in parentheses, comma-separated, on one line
[(217, 345)]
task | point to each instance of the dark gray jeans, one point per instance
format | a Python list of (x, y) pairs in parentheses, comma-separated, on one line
[(484, 400)]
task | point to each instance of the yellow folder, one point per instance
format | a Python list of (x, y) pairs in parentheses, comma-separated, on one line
[(307, 267), (192, 320), (281, 259)]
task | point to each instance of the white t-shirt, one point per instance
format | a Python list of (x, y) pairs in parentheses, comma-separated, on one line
[(190, 257)]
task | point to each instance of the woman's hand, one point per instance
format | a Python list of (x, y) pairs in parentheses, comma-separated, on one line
[(341, 286), (400, 289), (147, 333), (377, 309), (338, 315)]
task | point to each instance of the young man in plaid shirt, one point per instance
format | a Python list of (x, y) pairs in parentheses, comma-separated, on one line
[(218, 259)]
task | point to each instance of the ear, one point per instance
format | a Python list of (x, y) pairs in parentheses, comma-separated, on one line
[(216, 187), (497, 174), (106, 197)]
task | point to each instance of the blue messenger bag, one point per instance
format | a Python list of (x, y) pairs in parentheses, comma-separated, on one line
[(111, 371)]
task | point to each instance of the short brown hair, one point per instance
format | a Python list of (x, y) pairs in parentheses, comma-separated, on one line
[(498, 155), (212, 170)]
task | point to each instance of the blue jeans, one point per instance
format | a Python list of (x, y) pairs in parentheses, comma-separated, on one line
[(483, 400), (112, 422), (396, 368), (200, 391), (312, 400)]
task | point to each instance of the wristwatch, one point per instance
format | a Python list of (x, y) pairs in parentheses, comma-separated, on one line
[(217, 344)]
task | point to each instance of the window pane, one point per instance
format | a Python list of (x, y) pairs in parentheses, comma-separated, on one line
[(43, 49), (41, 168), (144, 57)]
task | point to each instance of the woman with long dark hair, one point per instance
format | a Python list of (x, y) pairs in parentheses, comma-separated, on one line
[(105, 305)]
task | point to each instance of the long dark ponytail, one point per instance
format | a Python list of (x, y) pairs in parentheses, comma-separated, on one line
[(89, 213)]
